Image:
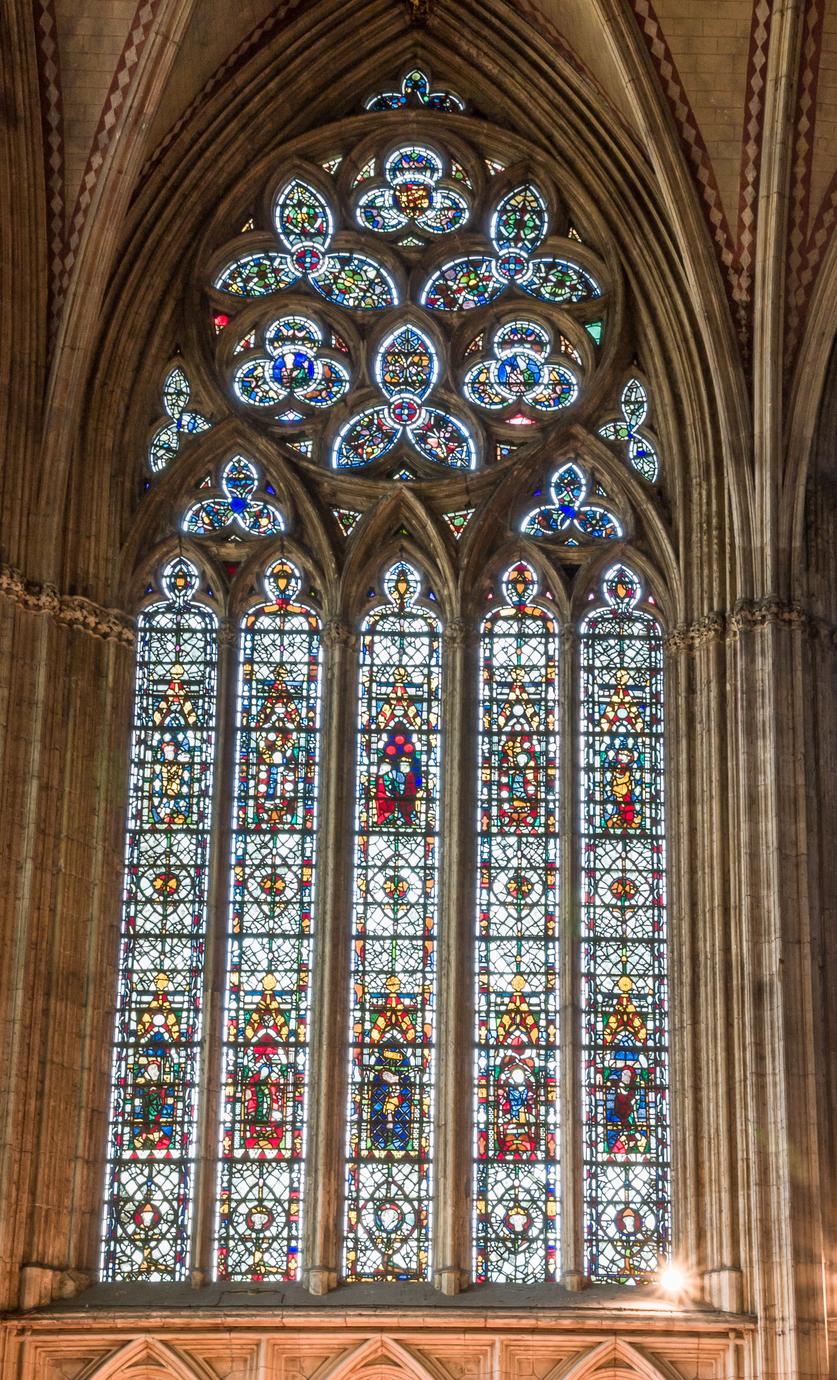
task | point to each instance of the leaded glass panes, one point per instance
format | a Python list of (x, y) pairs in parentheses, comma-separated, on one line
[(375, 357), (158, 1023), (268, 971), (516, 1218), (623, 961), (387, 1226)]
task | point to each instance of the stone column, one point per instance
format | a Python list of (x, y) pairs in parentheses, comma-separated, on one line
[(705, 1019), (570, 1092), (66, 697), (781, 1140)]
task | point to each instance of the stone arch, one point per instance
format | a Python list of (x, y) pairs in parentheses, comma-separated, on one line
[(145, 1358), (614, 1359), (157, 237), (382, 1358)]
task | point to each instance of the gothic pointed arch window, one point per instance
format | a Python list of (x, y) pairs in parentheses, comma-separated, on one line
[(397, 794)]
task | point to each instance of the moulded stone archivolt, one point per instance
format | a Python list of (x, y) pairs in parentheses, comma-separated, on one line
[(615, 1359), (382, 1358), (145, 1358), (71, 610)]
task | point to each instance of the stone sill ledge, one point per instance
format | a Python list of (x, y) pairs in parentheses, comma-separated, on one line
[(358, 1305)]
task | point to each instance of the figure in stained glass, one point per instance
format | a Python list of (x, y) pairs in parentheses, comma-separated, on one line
[(390, 1098), (623, 949), (515, 1228), (171, 778), (156, 1072), (264, 1073), (620, 788), (389, 1143), (156, 1054), (277, 741), (270, 934)]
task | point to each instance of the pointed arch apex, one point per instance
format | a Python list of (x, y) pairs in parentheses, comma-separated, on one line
[(378, 1356), (623, 1361), (147, 1358)]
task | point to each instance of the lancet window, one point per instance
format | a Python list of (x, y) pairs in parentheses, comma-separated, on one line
[(416, 596)]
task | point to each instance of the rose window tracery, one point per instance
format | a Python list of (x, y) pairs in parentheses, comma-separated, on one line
[(415, 195), (296, 368), (416, 354)]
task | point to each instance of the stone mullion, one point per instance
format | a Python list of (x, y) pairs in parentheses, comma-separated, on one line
[(210, 1089), (329, 1025), (571, 1105), (454, 1041)]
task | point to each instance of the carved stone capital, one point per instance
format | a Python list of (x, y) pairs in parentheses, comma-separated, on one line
[(758, 613), (747, 615), (336, 633), (689, 636), (460, 633), (227, 633), (69, 609)]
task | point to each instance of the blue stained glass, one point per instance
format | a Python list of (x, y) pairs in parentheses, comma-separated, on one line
[(413, 195), (638, 449), (183, 422), (415, 89), (567, 509), (520, 372), (238, 509), (297, 366), (272, 916), (518, 226), (516, 1116)]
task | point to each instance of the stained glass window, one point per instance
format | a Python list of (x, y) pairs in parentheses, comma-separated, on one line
[(568, 512), (181, 421), (273, 870), (237, 509), (406, 370), (520, 372), (304, 223), (414, 195), (636, 445), (295, 367), (387, 1227), (516, 1115), (487, 352), (415, 90), (623, 958), (158, 1022)]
